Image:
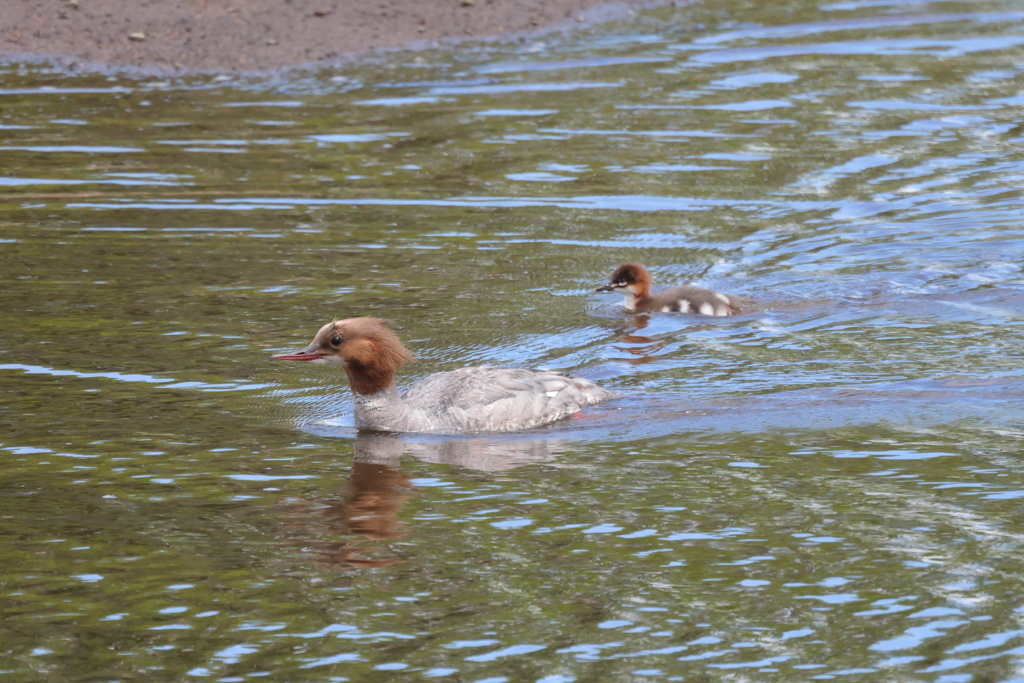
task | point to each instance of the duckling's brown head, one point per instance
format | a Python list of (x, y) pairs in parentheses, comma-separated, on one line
[(629, 278), (366, 347)]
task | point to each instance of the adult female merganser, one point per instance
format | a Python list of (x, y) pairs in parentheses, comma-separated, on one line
[(634, 281), (480, 399)]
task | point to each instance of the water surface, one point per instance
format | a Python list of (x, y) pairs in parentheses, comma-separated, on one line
[(826, 487)]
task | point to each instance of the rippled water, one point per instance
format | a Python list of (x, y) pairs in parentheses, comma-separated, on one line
[(826, 487)]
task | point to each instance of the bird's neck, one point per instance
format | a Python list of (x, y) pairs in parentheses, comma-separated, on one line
[(636, 300), (382, 410), (369, 378)]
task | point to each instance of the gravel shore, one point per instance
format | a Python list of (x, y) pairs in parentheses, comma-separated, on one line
[(262, 35)]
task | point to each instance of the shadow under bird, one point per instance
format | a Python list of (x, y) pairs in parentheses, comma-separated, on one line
[(477, 399), (633, 280)]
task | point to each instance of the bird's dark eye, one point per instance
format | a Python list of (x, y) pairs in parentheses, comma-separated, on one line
[(335, 341)]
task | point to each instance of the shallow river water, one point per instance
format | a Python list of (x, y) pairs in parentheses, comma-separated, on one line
[(828, 486)]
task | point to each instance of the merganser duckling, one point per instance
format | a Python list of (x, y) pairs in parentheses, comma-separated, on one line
[(480, 399), (634, 281)]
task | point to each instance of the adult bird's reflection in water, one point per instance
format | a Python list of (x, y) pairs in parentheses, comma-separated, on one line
[(369, 507), (378, 489)]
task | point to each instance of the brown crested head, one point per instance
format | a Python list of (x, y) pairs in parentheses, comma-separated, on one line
[(631, 277), (369, 350)]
